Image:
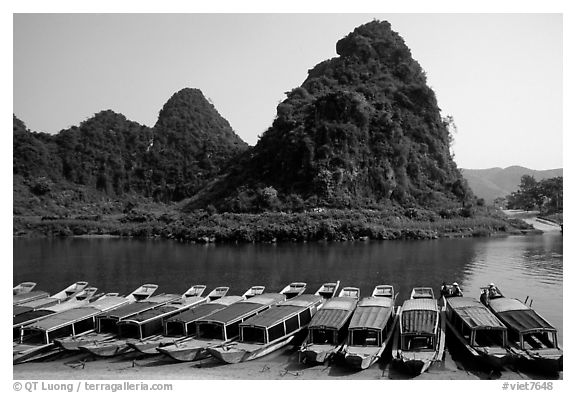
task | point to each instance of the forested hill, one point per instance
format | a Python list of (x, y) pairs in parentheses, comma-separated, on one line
[(364, 129), (112, 156)]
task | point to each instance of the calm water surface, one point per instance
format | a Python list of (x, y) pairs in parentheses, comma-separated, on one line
[(520, 265)]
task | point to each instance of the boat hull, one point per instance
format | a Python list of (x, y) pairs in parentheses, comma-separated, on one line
[(240, 352), (360, 361), (111, 349), (149, 347), (184, 354)]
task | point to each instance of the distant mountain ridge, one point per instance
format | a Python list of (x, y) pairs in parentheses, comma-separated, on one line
[(492, 183)]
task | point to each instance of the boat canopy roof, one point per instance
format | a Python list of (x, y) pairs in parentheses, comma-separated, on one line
[(17, 310), (525, 321), (108, 302), (283, 311), (232, 312), (23, 297), (507, 304), (265, 299), (64, 318), (129, 309), (372, 313), (419, 316), (474, 314), (196, 312), (420, 304), (150, 314), (334, 314), (31, 315)]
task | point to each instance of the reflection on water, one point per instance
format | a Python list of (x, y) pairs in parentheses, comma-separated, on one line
[(521, 265)]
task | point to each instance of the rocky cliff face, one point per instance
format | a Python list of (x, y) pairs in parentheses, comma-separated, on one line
[(363, 129)]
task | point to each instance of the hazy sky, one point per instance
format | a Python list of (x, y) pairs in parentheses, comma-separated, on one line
[(498, 75)]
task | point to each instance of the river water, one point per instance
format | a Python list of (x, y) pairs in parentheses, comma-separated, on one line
[(520, 265)]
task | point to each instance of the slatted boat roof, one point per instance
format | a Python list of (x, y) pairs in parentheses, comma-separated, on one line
[(241, 309), (138, 307), (24, 297), (507, 304), (283, 311), (419, 316), (31, 315), (196, 312), (372, 313), (525, 321), (107, 303), (518, 316), (334, 314), (474, 314), (150, 314), (64, 318)]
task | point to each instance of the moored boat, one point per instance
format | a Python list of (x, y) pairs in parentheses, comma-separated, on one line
[(420, 339), (23, 287), (106, 323), (293, 289), (270, 330), (38, 339), (220, 327), (477, 331), (371, 329), (328, 290), (77, 300), (327, 330), (183, 325), (148, 324), (532, 340)]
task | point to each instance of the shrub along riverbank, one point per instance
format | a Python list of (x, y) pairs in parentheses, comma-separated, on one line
[(328, 225)]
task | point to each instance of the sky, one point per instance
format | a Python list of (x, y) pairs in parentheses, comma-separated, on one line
[(498, 75)]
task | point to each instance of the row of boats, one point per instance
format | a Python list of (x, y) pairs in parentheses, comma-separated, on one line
[(331, 323)]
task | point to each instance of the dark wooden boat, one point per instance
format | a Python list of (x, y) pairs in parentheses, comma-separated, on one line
[(477, 332), (532, 340)]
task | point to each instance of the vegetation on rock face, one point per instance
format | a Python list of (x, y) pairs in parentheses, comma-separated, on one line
[(109, 156), (364, 129)]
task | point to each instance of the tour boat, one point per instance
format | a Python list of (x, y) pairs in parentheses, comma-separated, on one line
[(421, 338), (37, 340), (532, 340), (148, 324), (371, 328), (77, 300), (477, 331), (220, 327), (270, 330), (183, 325), (328, 329), (106, 323)]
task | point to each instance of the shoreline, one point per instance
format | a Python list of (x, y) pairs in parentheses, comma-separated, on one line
[(272, 227), (280, 365)]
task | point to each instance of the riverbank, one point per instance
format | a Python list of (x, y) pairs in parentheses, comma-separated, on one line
[(320, 225)]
